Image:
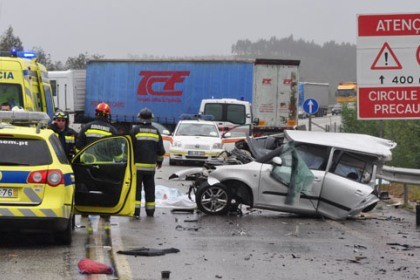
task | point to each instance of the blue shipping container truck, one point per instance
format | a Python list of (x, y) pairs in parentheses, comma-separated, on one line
[(168, 88)]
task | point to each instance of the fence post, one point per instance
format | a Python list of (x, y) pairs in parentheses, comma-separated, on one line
[(405, 194)]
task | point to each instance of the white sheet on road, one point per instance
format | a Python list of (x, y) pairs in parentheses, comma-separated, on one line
[(166, 197)]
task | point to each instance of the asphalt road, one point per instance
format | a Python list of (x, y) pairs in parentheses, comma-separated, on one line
[(272, 245), (257, 245)]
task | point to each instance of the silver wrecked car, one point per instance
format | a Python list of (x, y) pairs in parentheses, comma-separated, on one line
[(312, 173)]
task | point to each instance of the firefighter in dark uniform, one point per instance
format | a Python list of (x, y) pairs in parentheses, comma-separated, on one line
[(148, 155), (98, 128), (67, 135)]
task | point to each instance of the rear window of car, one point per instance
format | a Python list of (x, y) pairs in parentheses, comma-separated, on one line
[(28, 152), (353, 166)]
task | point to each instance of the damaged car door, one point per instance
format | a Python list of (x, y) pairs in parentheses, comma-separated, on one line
[(346, 190), (290, 185)]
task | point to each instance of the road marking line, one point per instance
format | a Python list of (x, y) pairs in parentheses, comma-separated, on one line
[(122, 266)]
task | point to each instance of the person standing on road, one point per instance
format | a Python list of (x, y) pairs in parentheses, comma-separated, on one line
[(148, 155), (98, 128), (67, 135)]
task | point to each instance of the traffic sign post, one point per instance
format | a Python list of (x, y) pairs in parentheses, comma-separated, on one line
[(311, 107), (388, 66)]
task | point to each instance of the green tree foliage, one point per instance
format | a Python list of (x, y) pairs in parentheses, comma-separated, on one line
[(404, 133), (79, 62), (45, 59), (351, 124), (8, 41)]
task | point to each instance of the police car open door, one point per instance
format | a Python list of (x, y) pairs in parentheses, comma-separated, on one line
[(105, 177)]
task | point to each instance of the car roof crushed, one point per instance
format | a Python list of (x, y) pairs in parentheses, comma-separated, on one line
[(349, 141)]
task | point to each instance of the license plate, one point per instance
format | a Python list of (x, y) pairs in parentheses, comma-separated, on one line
[(7, 192), (195, 153)]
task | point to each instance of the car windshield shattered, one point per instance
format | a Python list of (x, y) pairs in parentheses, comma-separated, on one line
[(294, 173)]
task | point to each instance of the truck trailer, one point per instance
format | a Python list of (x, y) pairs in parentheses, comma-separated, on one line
[(171, 88), (318, 91)]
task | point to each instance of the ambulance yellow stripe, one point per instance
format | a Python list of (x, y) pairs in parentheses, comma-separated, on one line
[(6, 212), (63, 212), (49, 213), (32, 195), (27, 213)]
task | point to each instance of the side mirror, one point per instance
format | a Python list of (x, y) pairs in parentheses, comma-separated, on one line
[(166, 132), (277, 161), (256, 121)]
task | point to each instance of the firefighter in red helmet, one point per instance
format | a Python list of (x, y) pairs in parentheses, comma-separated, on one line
[(98, 128)]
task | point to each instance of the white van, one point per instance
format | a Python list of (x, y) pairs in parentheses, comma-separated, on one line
[(227, 112)]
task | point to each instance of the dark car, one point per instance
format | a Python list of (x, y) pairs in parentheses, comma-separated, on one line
[(337, 109)]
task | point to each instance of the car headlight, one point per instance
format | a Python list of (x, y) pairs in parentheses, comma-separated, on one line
[(217, 145), (177, 144)]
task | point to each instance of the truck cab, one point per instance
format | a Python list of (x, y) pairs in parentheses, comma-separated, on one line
[(69, 91), (24, 83)]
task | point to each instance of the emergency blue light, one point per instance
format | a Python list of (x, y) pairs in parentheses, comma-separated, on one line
[(28, 55), (15, 53)]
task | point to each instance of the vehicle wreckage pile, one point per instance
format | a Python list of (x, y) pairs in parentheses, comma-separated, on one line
[(302, 172)]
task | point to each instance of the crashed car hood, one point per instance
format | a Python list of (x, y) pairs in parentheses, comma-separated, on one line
[(349, 141)]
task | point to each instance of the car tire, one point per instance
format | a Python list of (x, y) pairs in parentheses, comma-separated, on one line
[(73, 222), (65, 237), (369, 208), (213, 200)]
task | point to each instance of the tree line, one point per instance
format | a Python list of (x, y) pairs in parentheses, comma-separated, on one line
[(9, 40)]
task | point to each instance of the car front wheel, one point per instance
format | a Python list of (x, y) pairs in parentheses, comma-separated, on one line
[(213, 200)]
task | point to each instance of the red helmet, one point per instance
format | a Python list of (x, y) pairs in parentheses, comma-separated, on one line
[(103, 109)]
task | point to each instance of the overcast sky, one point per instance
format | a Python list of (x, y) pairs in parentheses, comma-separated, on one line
[(181, 27)]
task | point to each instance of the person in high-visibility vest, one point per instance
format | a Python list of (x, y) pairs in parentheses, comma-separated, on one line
[(148, 155), (98, 128), (65, 134)]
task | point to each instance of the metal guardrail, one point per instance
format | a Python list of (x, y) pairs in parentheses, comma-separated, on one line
[(406, 176), (400, 175)]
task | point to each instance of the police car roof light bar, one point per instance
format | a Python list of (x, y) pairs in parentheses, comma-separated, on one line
[(19, 117), (22, 54), (196, 117)]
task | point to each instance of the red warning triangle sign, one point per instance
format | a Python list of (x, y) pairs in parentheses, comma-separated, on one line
[(386, 59)]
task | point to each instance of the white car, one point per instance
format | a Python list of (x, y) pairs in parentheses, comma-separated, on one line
[(195, 140), (313, 173)]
